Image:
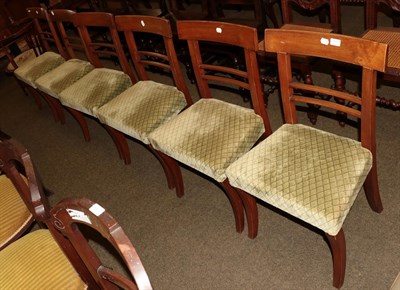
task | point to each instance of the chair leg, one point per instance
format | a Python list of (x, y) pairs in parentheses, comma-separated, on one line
[(168, 172), (251, 210), (371, 189), (176, 172), (37, 95), (338, 247), (56, 105), (236, 204), (82, 122), (121, 143)]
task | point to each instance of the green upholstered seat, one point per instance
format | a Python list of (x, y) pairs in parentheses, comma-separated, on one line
[(37, 262), (94, 90), (14, 215), (142, 108), (31, 70), (21, 59), (311, 174), (63, 76), (209, 136)]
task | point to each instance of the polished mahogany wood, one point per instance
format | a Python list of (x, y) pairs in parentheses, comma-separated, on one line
[(65, 218), (371, 57), (15, 162)]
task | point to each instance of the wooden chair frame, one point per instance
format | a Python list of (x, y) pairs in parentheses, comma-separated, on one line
[(14, 162), (371, 56), (130, 26), (241, 36)]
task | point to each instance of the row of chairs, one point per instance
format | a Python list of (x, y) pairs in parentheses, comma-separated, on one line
[(58, 255), (313, 175)]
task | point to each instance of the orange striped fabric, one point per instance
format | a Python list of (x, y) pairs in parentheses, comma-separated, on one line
[(14, 215), (35, 261)]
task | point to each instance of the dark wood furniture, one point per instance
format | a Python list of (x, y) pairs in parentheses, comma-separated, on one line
[(211, 133), (257, 19), (147, 104), (297, 169), (389, 35), (100, 39), (27, 202), (64, 234)]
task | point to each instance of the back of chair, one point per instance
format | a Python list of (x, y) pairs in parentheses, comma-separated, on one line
[(240, 36), (372, 9), (151, 55), (100, 37), (62, 19), (180, 13), (45, 30), (369, 55), (313, 5), (66, 216), (15, 162)]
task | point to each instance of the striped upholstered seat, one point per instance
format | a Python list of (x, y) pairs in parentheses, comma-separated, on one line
[(14, 214), (25, 265)]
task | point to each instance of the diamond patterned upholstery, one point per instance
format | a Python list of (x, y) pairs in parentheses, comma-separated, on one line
[(37, 255), (142, 108), (14, 214), (34, 69), (209, 136), (311, 174), (63, 76), (94, 90)]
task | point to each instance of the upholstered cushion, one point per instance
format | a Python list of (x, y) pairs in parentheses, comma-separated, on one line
[(60, 78), (37, 262), (21, 59), (34, 69), (311, 174), (14, 215), (95, 89), (209, 136), (142, 108)]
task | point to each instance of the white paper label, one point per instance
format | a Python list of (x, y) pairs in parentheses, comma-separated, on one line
[(97, 209), (324, 41), (335, 42), (218, 30), (78, 215), (142, 22)]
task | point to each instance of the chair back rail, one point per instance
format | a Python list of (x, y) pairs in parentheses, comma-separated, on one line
[(313, 5), (164, 58), (371, 56), (231, 34), (62, 18), (65, 217), (88, 25), (45, 31), (372, 9), (15, 162)]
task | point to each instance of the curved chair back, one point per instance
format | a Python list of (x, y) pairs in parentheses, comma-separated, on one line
[(316, 6), (17, 165), (65, 217)]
